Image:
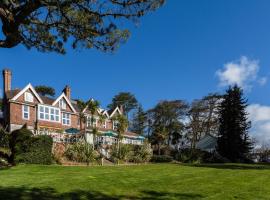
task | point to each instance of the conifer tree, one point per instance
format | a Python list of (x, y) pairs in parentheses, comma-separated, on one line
[(139, 119), (233, 140)]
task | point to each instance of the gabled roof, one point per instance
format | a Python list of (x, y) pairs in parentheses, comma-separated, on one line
[(47, 100), (105, 112), (67, 100), (114, 111), (28, 87)]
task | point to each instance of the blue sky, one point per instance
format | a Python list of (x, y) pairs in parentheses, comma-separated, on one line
[(182, 51)]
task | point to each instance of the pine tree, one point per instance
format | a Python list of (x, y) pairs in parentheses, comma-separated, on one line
[(138, 123), (233, 140)]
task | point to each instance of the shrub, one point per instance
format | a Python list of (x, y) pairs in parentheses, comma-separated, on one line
[(4, 139), (4, 146), (26, 148), (198, 156), (124, 154), (81, 152), (161, 158), (142, 153)]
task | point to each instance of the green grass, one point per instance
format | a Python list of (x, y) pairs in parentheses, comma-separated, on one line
[(143, 182)]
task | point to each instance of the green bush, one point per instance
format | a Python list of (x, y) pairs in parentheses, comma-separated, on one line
[(161, 158), (81, 152), (26, 148), (142, 153), (124, 154), (4, 139), (198, 156)]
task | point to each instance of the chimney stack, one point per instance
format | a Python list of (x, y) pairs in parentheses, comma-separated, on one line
[(6, 80), (67, 92)]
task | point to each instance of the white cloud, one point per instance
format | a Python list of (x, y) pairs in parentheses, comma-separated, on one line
[(242, 72), (259, 116)]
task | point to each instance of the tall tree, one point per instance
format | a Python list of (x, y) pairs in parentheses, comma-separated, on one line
[(138, 122), (125, 99), (81, 105), (48, 24), (233, 140), (122, 125), (166, 120), (45, 90), (203, 118), (93, 106)]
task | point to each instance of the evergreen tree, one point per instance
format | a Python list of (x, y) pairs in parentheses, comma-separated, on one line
[(233, 140), (139, 119), (127, 100)]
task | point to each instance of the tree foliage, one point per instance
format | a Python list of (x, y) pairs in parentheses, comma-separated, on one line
[(166, 121), (45, 90), (233, 141), (81, 106), (48, 24), (26, 148), (138, 122), (125, 99), (203, 118)]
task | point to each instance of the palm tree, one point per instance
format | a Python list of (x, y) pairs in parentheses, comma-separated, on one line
[(81, 105), (122, 125), (92, 107), (102, 119)]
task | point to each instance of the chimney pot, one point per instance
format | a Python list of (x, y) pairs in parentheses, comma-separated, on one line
[(67, 91)]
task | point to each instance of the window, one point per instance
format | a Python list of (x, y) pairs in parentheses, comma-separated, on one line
[(62, 104), (28, 97), (104, 125), (115, 125), (90, 123), (25, 112), (66, 119), (48, 113)]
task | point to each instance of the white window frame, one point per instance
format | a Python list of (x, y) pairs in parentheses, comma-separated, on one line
[(67, 118), (89, 121), (49, 113), (104, 125), (28, 97), (26, 112), (115, 125)]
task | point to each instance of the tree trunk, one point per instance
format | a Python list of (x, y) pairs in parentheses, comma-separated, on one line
[(159, 151)]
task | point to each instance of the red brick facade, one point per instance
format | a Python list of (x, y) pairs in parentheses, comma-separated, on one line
[(15, 100)]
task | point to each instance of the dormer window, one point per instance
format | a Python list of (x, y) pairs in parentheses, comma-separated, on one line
[(28, 97), (62, 104)]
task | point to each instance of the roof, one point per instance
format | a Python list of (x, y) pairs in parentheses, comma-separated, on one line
[(12, 93), (47, 100), (207, 143)]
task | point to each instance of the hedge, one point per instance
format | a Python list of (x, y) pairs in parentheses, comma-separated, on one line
[(26, 148)]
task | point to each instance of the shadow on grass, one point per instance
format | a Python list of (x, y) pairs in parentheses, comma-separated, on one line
[(20, 193), (233, 166)]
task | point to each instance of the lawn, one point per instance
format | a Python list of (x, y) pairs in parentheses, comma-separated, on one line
[(156, 181)]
